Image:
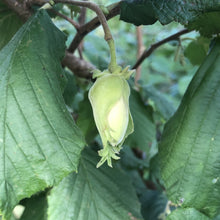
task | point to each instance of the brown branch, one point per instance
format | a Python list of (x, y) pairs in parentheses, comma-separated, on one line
[(78, 66), (90, 26), (82, 21), (102, 19), (20, 7), (75, 24), (140, 50), (82, 16), (94, 7), (82, 69), (153, 47)]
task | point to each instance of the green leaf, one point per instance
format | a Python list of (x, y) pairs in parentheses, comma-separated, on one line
[(153, 205), (104, 193), (39, 142), (197, 50), (70, 89), (202, 15), (137, 12), (217, 217), (187, 214), (35, 207), (144, 129), (85, 120), (130, 161), (160, 102), (9, 24), (189, 150), (207, 23)]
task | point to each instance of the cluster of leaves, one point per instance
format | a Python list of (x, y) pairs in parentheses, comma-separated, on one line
[(48, 161)]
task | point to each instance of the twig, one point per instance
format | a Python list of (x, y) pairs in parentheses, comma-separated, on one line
[(149, 51), (140, 50), (108, 36), (93, 7), (82, 16), (82, 20), (90, 26), (75, 24), (20, 7), (78, 66)]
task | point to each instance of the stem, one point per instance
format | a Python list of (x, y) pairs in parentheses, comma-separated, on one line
[(108, 36), (90, 26), (113, 62), (140, 50), (66, 18), (149, 51)]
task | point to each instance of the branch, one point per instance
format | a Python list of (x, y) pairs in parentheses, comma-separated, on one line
[(90, 26), (153, 47), (19, 7), (108, 36), (78, 66), (140, 50), (75, 24), (82, 21), (93, 7), (23, 9)]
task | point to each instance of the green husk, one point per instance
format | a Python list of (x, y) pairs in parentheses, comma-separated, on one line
[(109, 97)]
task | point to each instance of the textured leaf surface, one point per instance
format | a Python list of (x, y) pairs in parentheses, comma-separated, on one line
[(144, 128), (102, 194), (9, 24), (207, 23), (202, 15), (187, 214), (39, 142), (189, 151)]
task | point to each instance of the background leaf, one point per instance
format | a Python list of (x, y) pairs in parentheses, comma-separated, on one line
[(9, 24), (85, 120), (144, 129), (202, 15), (39, 142), (35, 207), (153, 205), (92, 193), (189, 150), (158, 100), (197, 50)]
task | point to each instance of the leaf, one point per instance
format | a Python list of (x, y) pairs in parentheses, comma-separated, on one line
[(144, 128), (189, 150), (70, 89), (85, 120), (162, 105), (187, 214), (207, 23), (137, 12), (9, 24), (130, 161), (39, 142), (202, 15), (132, 165), (104, 193), (197, 50), (217, 217), (35, 207), (153, 205)]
